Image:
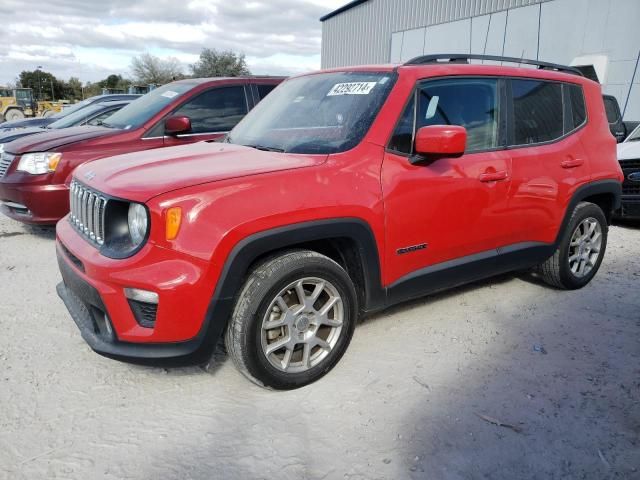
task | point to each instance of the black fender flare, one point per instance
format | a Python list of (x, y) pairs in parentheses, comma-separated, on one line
[(254, 246), (599, 187)]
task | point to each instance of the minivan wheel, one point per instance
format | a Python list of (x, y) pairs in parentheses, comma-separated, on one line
[(293, 320), (581, 249)]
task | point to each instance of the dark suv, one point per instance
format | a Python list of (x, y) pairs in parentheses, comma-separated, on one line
[(342, 193)]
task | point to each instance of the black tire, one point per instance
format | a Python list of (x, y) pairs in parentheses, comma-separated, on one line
[(556, 270), (244, 334), (13, 114)]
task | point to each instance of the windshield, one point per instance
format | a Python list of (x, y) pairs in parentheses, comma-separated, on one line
[(74, 108), (323, 113), (635, 135), (78, 117), (144, 108)]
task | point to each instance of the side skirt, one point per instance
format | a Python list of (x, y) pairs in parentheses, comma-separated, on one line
[(467, 269)]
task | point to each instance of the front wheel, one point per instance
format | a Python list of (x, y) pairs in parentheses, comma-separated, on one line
[(293, 320), (581, 249), (13, 114)]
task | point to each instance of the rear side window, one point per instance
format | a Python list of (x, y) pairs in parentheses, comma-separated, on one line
[(471, 103), (537, 111), (217, 110), (263, 90), (578, 110)]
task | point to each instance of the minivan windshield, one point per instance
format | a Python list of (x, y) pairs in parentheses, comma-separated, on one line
[(144, 108), (77, 118), (315, 114)]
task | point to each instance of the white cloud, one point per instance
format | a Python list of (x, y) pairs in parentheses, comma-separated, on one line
[(93, 39)]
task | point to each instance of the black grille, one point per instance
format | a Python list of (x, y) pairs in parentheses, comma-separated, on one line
[(629, 167), (87, 212), (145, 313)]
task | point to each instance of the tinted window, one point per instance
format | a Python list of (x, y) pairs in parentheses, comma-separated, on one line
[(263, 90), (320, 113), (611, 108), (217, 110), (144, 108), (537, 111), (471, 103), (578, 109)]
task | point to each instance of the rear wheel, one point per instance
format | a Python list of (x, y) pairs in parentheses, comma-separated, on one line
[(13, 114), (581, 250), (293, 320)]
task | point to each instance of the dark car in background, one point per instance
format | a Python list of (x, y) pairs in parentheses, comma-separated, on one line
[(92, 115), (44, 121), (35, 172)]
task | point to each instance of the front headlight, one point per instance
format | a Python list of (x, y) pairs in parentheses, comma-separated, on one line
[(138, 223), (39, 163)]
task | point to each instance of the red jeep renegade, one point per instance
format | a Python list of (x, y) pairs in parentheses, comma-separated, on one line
[(35, 171), (343, 192)]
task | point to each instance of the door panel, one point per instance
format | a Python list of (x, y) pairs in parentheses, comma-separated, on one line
[(546, 173), (447, 208)]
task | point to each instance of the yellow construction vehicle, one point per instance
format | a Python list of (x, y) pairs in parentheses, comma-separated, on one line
[(48, 108), (16, 103)]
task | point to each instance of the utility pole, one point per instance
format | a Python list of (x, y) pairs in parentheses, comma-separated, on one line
[(53, 96), (39, 82)]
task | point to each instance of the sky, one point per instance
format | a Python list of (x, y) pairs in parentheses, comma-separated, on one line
[(91, 39)]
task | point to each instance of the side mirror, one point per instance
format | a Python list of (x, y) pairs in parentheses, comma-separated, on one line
[(437, 141), (177, 125)]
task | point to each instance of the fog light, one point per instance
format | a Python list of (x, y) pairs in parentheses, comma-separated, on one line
[(141, 295)]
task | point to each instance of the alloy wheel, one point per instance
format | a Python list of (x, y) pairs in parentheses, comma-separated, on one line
[(302, 325)]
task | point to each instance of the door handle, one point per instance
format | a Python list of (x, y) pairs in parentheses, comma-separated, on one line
[(493, 176), (572, 163)]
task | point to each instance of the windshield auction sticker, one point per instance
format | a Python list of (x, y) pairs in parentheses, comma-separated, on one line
[(169, 94), (353, 88)]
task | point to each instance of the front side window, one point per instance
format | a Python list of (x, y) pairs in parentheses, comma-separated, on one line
[(471, 103), (316, 114), (537, 111), (141, 110), (216, 110)]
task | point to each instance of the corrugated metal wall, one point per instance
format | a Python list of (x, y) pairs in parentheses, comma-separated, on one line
[(363, 34)]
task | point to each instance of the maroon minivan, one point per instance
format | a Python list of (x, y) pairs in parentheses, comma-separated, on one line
[(35, 172)]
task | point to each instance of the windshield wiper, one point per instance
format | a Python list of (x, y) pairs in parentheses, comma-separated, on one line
[(266, 149)]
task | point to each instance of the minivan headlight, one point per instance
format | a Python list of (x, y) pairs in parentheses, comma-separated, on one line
[(138, 223), (39, 163)]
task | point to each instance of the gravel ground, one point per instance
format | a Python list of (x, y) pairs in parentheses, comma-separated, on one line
[(404, 402)]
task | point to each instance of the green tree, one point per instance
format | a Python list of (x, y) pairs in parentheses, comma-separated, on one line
[(213, 63), (44, 84), (74, 89)]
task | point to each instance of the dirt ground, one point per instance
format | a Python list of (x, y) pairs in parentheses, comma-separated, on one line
[(405, 402)]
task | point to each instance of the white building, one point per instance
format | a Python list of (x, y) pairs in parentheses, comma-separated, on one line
[(601, 32)]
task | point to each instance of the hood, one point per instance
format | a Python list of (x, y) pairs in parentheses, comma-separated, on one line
[(627, 150), (10, 136), (52, 139), (143, 175), (27, 122)]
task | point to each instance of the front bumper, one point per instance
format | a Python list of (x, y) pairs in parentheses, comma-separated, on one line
[(93, 291), (35, 204)]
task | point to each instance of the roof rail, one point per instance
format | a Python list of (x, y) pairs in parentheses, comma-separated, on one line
[(465, 57)]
